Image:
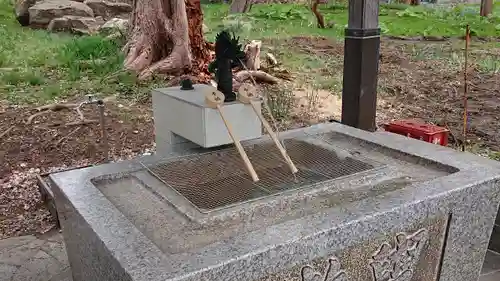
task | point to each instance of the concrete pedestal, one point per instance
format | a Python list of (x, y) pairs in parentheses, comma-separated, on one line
[(182, 115)]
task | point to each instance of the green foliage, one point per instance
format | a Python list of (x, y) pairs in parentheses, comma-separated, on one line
[(393, 6), (280, 102), (91, 56), (15, 77), (489, 65), (437, 21), (280, 12), (410, 13), (337, 6), (237, 23), (284, 20), (495, 155)]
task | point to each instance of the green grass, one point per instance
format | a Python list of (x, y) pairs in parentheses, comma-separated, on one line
[(37, 66), (284, 20)]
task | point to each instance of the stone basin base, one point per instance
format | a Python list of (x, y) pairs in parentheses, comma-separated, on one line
[(391, 208)]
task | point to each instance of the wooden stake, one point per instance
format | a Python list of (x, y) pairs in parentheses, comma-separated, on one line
[(467, 38), (214, 99), (246, 95)]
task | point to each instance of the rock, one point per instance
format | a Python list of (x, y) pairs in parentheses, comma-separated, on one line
[(75, 24), (114, 25), (21, 9), (42, 13), (108, 9), (115, 35)]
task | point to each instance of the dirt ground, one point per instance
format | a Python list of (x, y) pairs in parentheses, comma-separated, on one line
[(48, 145), (430, 90), (408, 88)]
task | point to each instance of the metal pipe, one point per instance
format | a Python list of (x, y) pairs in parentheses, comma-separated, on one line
[(104, 136), (100, 105)]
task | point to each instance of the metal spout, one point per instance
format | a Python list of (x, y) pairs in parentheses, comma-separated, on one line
[(100, 105)]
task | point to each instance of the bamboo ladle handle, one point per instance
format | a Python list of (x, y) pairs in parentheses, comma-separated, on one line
[(247, 95), (214, 99)]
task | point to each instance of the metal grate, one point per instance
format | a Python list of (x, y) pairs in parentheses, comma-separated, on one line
[(218, 179)]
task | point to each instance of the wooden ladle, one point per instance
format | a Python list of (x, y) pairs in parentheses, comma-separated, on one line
[(247, 94), (214, 99)]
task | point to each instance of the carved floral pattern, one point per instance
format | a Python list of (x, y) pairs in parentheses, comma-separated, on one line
[(398, 263), (332, 272)]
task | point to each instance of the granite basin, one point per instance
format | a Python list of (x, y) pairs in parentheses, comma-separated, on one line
[(364, 206)]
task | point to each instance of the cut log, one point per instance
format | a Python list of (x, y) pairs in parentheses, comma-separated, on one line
[(252, 54), (258, 76)]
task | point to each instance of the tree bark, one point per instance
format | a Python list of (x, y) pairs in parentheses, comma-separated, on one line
[(486, 7), (319, 16), (163, 41), (240, 6), (199, 47)]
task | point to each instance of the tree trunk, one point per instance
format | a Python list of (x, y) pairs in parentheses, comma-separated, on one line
[(162, 40), (240, 6), (486, 7), (319, 16)]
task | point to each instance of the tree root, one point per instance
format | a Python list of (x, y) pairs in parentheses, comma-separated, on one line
[(174, 64)]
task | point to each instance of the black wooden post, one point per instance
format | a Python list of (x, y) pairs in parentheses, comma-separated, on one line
[(361, 55)]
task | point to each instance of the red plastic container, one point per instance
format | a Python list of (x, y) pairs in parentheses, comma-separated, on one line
[(419, 130)]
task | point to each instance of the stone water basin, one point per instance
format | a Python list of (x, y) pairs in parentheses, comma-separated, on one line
[(198, 215)]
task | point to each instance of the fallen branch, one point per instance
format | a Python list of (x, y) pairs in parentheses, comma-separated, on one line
[(57, 106), (68, 135), (50, 107), (7, 131), (271, 59), (80, 113), (257, 75), (30, 119), (419, 38), (81, 123)]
